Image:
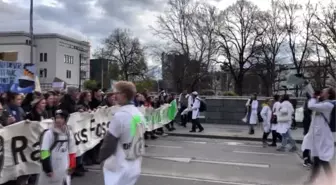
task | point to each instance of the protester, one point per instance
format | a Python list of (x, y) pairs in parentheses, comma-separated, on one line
[(5, 117), (38, 112), (266, 114), (97, 98), (284, 118), (69, 100), (274, 126), (120, 159), (51, 106), (14, 107), (307, 114), (170, 125), (109, 100), (320, 139), (183, 104), (84, 101), (58, 152), (252, 106), (195, 113)]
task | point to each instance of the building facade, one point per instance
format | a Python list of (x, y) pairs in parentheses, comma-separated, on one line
[(55, 56)]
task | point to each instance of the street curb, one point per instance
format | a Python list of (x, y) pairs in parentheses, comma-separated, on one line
[(299, 141)]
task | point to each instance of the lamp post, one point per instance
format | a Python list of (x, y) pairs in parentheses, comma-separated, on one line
[(31, 31)]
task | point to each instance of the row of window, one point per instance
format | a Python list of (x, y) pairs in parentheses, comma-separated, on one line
[(44, 73), (67, 58)]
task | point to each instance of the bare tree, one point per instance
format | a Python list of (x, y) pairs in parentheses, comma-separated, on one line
[(298, 31), (323, 30), (125, 51), (188, 28), (239, 33), (271, 43)]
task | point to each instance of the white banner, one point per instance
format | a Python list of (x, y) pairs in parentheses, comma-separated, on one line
[(19, 143)]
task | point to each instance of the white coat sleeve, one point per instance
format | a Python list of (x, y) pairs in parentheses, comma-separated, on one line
[(263, 113), (196, 105), (319, 106)]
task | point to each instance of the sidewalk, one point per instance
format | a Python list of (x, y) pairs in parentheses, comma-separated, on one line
[(234, 132)]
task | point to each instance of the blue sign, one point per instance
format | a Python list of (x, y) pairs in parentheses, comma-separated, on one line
[(17, 77)]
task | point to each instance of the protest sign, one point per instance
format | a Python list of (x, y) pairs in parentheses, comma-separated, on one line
[(17, 77), (19, 143)]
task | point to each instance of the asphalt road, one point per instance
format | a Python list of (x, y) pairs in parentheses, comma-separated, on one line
[(194, 161)]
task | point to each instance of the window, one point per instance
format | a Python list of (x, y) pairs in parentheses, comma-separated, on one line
[(68, 74), (68, 59), (45, 57), (43, 73), (28, 42)]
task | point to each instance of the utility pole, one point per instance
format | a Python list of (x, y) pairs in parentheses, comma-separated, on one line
[(31, 32)]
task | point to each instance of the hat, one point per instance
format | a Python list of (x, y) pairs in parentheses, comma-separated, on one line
[(62, 113), (36, 100), (194, 93)]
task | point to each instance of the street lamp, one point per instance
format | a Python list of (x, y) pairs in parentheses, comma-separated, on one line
[(31, 31)]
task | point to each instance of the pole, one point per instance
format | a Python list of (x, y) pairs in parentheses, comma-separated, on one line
[(31, 32), (80, 72)]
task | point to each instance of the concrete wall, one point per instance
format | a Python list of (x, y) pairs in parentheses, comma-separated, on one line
[(227, 110)]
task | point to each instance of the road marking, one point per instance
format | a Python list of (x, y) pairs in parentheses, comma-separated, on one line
[(195, 179), (176, 159), (163, 146), (240, 144), (260, 153), (195, 142), (233, 163)]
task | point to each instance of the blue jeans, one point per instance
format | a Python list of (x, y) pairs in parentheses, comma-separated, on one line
[(79, 161), (287, 138)]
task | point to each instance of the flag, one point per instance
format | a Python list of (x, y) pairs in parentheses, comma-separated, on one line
[(172, 110)]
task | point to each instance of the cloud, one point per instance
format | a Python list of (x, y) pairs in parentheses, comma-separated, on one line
[(90, 20)]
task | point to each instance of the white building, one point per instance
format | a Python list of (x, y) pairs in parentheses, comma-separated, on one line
[(55, 56)]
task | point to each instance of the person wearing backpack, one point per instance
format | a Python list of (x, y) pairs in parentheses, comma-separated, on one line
[(58, 152), (195, 113), (320, 139), (123, 145)]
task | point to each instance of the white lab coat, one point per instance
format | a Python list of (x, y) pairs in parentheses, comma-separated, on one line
[(275, 109), (319, 139), (283, 126), (266, 114), (190, 100), (59, 157), (253, 118), (195, 108)]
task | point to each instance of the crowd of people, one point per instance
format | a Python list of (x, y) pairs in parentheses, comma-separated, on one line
[(38, 106), (277, 116)]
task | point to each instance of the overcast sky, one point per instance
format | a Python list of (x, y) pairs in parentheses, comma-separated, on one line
[(92, 20)]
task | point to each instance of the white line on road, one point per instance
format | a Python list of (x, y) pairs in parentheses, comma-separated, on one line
[(232, 163), (195, 179), (163, 146), (195, 142), (240, 144), (259, 153)]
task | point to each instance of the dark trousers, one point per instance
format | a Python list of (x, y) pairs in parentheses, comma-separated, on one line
[(196, 124), (184, 118), (275, 136), (265, 135), (306, 155), (318, 163)]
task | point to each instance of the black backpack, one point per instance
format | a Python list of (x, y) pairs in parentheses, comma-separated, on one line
[(332, 123), (203, 105)]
